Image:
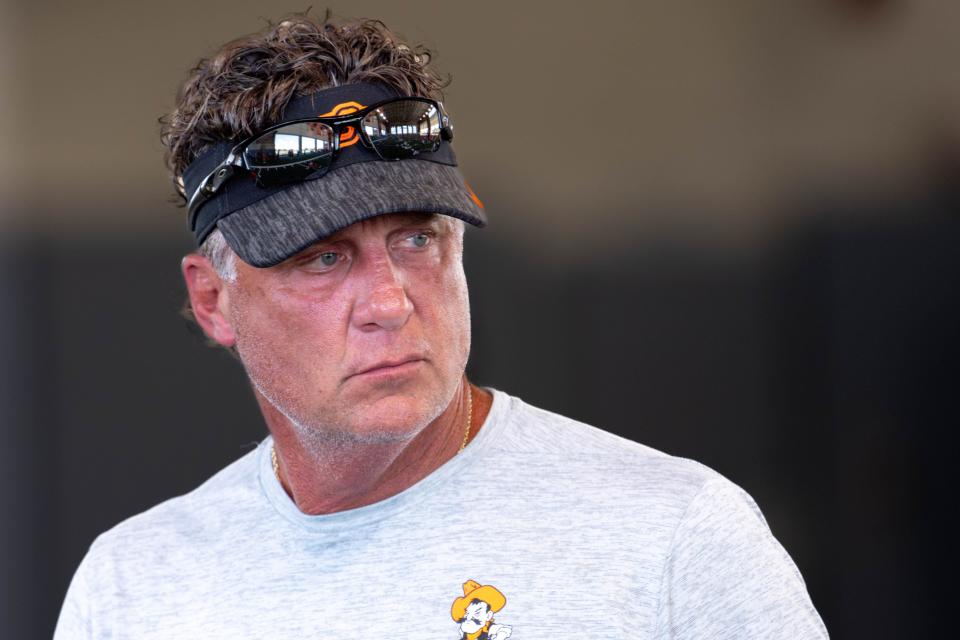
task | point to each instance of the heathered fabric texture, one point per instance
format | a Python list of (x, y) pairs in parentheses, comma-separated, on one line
[(269, 231), (586, 535)]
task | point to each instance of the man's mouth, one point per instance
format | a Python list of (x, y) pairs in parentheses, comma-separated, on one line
[(390, 366)]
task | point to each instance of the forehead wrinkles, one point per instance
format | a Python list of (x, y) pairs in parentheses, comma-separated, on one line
[(398, 220)]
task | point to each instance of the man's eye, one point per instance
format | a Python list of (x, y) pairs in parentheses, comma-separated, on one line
[(325, 259), (420, 240)]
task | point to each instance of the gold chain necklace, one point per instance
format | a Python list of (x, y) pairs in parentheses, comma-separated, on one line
[(466, 436)]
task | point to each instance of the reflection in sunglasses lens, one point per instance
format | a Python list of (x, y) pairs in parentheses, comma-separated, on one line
[(304, 142), (403, 128)]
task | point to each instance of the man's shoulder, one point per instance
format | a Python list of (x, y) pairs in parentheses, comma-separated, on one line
[(561, 440), (197, 513)]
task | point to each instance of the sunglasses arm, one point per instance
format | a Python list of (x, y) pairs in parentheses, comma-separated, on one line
[(210, 185), (446, 127)]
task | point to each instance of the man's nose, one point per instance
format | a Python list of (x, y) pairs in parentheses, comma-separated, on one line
[(382, 301)]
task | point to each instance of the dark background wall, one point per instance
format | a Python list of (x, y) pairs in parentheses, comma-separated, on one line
[(726, 230)]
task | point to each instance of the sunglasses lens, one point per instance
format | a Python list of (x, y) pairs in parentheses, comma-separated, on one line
[(403, 128), (290, 152)]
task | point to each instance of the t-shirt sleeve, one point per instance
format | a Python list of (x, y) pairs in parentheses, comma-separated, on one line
[(75, 621), (728, 577)]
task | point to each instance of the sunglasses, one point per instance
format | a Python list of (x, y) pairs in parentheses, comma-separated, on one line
[(395, 129)]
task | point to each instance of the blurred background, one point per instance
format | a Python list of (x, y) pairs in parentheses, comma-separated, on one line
[(727, 230)]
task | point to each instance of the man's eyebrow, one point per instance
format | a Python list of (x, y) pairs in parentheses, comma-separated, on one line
[(316, 246), (435, 223), (412, 219)]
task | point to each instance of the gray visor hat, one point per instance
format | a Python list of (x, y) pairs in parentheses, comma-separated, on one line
[(271, 230), (264, 227)]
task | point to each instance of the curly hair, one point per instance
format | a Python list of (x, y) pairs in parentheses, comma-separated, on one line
[(245, 86)]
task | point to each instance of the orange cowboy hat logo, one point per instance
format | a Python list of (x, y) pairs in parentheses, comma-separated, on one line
[(349, 136), (474, 590)]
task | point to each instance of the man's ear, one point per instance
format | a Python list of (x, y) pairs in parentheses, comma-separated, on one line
[(208, 299)]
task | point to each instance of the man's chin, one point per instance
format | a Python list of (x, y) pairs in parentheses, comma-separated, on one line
[(391, 418), (397, 416)]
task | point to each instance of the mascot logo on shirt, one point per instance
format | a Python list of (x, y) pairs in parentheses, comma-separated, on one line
[(474, 612)]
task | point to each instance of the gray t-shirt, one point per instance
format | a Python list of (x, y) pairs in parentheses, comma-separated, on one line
[(543, 527)]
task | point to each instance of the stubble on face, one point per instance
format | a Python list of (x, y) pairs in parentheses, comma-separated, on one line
[(292, 333)]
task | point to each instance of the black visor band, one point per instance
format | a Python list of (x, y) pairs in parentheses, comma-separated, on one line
[(239, 188), (291, 150)]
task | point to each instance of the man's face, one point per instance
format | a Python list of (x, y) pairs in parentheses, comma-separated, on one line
[(362, 336), (475, 616)]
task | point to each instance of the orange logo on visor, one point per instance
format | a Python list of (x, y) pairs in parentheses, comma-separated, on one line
[(349, 135)]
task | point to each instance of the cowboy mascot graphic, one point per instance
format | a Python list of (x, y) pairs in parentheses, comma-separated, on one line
[(474, 612)]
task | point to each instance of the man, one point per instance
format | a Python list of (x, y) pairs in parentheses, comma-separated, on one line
[(321, 185)]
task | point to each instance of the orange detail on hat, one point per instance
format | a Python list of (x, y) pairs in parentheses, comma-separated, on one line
[(473, 196), (348, 136)]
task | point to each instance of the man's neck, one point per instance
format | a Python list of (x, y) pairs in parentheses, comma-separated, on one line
[(326, 476)]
